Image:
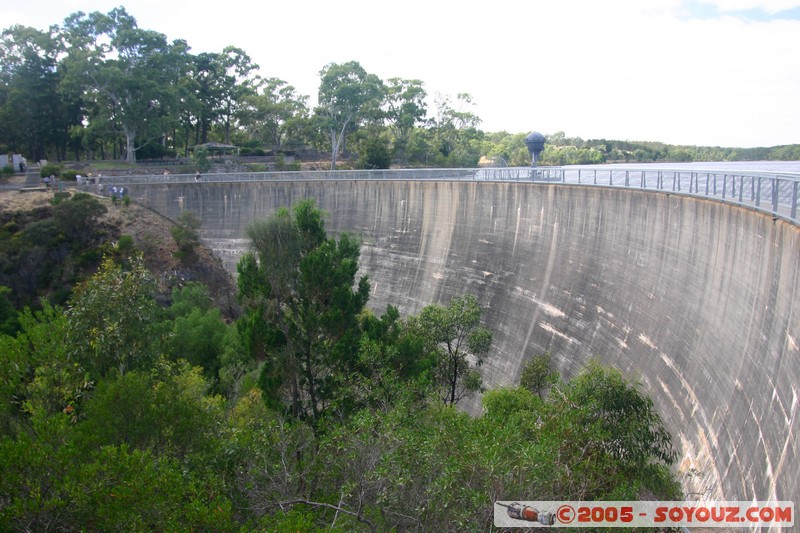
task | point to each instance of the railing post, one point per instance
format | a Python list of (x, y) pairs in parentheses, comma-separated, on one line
[(741, 189), (579, 176), (758, 193), (724, 185), (627, 181), (794, 201), (595, 177), (774, 196)]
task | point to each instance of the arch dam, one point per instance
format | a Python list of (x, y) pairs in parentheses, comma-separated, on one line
[(695, 298)]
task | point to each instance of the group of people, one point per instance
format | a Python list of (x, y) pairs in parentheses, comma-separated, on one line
[(118, 192)]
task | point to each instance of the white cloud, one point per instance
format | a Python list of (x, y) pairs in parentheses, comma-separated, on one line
[(770, 6)]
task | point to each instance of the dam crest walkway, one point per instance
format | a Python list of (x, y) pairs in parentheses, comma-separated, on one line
[(774, 193)]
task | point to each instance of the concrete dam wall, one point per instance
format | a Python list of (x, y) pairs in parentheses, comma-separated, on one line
[(696, 299)]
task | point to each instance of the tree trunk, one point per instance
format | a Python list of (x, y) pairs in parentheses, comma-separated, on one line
[(334, 149), (130, 147), (337, 141)]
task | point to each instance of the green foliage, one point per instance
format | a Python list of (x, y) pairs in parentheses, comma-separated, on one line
[(455, 335), (616, 408), (77, 218), (196, 330), (185, 234), (256, 167), (59, 197), (507, 404), (275, 116), (125, 245), (392, 367), (98, 431), (119, 66), (570, 155), (7, 171), (166, 408), (190, 297), (201, 160), (8, 314), (45, 251), (346, 93), (405, 100), (539, 374), (50, 169), (113, 317), (69, 175), (301, 286), (375, 153)]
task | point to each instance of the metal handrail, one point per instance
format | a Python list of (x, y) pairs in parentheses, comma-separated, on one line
[(774, 193)]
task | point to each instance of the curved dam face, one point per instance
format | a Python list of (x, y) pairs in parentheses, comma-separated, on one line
[(696, 299)]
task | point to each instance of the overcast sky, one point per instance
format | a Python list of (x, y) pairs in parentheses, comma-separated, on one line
[(717, 72)]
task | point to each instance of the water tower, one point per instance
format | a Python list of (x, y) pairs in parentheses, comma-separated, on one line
[(535, 143)]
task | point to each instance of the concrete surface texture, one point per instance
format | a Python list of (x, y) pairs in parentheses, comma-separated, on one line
[(695, 299)]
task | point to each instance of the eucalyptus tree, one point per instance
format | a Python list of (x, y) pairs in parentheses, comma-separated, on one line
[(240, 80), (455, 129), (405, 109), (346, 93), (218, 86), (35, 111), (207, 91), (113, 319), (456, 337), (129, 72), (276, 114)]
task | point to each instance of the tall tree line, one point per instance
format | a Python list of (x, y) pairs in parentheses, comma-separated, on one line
[(100, 87)]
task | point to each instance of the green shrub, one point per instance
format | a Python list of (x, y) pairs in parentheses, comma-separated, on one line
[(202, 162), (257, 167), (69, 175), (125, 243), (375, 154), (185, 235), (59, 197), (258, 151), (7, 170), (281, 164), (51, 169)]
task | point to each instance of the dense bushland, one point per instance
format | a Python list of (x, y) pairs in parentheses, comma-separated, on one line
[(307, 412)]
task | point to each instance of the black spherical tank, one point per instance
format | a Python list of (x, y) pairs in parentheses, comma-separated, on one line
[(535, 143)]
